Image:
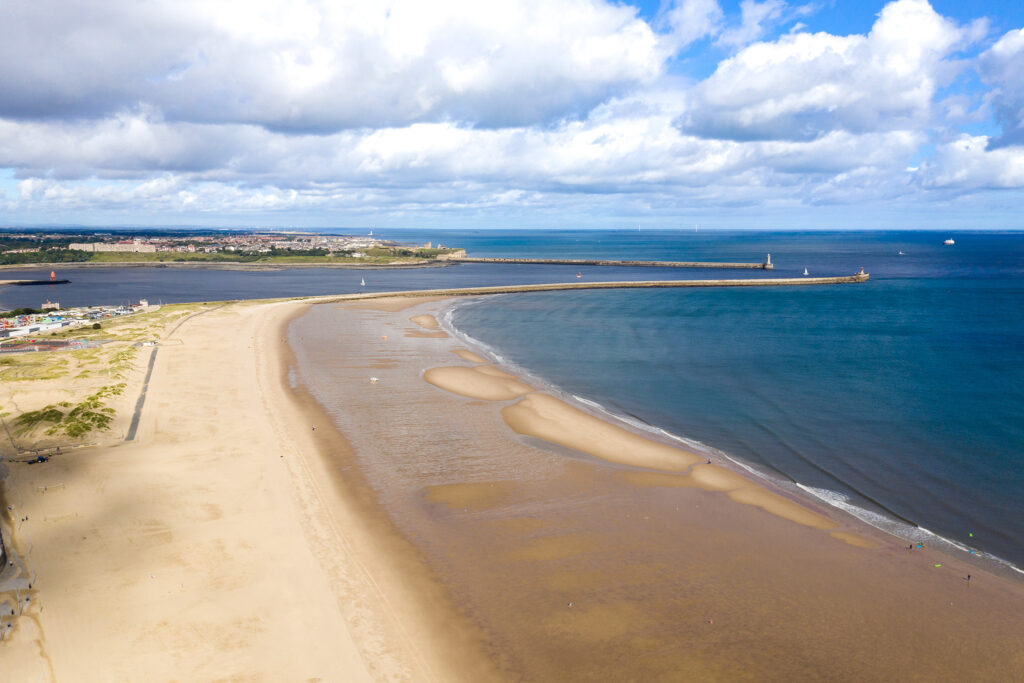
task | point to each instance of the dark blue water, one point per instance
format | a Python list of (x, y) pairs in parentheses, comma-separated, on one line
[(905, 394)]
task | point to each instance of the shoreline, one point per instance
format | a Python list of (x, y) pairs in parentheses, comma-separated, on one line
[(836, 501), (402, 531), (534, 518), (393, 568)]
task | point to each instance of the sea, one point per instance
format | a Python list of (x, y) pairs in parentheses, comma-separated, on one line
[(900, 400)]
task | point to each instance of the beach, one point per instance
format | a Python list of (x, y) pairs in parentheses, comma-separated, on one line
[(218, 544), (346, 492), (578, 564)]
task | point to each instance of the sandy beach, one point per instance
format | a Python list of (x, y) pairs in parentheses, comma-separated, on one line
[(281, 517), (219, 544)]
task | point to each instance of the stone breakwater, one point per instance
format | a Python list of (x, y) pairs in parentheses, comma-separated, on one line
[(767, 265), (641, 284)]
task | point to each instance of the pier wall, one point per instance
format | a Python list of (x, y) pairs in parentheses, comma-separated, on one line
[(641, 284), (767, 265)]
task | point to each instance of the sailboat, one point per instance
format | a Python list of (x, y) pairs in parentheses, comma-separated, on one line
[(805, 272), (362, 282)]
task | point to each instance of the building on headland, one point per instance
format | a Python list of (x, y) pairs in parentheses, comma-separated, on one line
[(135, 246), (50, 306), (453, 254)]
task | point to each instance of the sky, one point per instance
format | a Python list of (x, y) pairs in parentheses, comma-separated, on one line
[(827, 114)]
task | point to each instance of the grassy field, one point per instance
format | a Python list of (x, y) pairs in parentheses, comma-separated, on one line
[(61, 397)]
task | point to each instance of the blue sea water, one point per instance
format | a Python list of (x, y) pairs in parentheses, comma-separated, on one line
[(900, 399)]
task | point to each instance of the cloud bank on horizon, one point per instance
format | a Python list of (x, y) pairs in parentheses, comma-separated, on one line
[(575, 113)]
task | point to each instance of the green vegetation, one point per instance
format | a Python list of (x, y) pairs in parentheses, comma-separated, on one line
[(121, 361), (19, 311), (403, 252), (45, 256), (90, 415), (33, 366), (8, 242)]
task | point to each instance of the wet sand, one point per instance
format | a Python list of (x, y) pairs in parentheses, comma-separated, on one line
[(581, 550)]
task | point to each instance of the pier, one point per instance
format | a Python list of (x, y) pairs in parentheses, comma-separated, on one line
[(766, 265), (26, 283), (639, 284)]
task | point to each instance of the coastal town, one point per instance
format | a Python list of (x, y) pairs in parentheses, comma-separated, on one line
[(50, 317), (22, 247)]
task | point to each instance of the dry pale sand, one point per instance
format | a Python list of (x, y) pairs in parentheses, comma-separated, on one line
[(426, 321), (466, 354), (221, 544), (477, 382)]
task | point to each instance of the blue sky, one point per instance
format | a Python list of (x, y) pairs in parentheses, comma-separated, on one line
[(553, 113)]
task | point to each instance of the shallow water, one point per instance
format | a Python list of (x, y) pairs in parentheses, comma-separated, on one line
[(903, 395)]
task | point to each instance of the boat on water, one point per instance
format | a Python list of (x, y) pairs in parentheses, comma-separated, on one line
[(949, 242), (579, 274), (899, 253), (362, 282), (805, 272)]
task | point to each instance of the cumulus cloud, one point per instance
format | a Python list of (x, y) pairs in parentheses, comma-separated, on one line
[(617, 150), (805, 85), (755, 19), (1002, 66), (314, 65), (690, 20), (564, 107), (967, 164)]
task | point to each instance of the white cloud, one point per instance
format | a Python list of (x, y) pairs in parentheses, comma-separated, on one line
[(618, 150), (690, 20), (420, 109), (805, 85), (1002, 66), (967, 164), (755, 19), (307, 65)]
